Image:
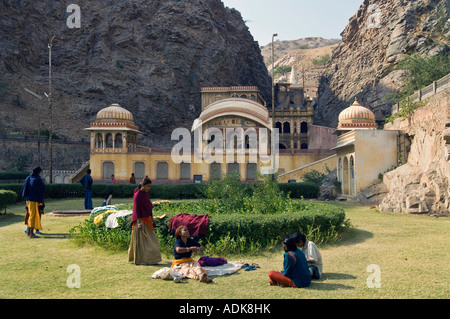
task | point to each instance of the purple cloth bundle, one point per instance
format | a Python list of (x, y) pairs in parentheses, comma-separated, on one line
[(211, 261)]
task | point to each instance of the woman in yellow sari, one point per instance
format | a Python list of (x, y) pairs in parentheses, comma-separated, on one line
[(33, 192), (144, 247)]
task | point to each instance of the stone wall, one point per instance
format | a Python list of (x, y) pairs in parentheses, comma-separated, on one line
[(22, 153), (421, 186)]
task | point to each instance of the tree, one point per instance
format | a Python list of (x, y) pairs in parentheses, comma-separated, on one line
[(282, 69)]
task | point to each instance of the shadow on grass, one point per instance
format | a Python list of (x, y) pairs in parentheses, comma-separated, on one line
[(352, 236), (56, 235), (9, 218), (320, 285)]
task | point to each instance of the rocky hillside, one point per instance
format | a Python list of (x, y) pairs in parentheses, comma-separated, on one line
[(150, 56), (283, 48), (373, 42), (421, 186), (302, 54)]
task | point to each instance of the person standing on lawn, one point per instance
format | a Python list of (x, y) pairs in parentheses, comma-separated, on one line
[(144, 247), (295, 271), (312, 254), (33, 192), (87, 181)]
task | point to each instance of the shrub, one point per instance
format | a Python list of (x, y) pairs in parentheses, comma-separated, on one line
[(13, 175), (232, 233), (7, 197), (323, 60), (166, 191), (299, 190)]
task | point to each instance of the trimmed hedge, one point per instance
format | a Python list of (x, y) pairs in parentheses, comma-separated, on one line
[(263, 228), (7, 197), (250, 231), (162, 191), (13, 175)]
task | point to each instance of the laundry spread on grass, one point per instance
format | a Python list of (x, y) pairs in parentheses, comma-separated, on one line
[(220, 269), (112, 213)]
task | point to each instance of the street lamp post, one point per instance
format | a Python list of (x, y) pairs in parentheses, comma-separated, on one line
[(273, 105), (273, 82), (50, 138)]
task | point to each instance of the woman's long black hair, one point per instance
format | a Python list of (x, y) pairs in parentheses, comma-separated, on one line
[(289, 242)]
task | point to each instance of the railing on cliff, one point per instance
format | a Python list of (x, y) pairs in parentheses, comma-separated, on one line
[(426, 92)]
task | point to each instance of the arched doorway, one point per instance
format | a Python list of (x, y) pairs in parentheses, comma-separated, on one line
[(352, 176), (345, 179)]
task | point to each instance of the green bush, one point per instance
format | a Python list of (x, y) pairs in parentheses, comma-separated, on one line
[(162, 191), (227, 233), (7, 197), (13, 175), (299, 190)]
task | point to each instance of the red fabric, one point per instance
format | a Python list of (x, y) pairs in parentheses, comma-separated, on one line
[(142, 206), (196, 224), (277, 277)]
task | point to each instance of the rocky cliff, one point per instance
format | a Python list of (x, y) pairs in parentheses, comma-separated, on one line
[(422, 185), (374, 41), (150, 56)]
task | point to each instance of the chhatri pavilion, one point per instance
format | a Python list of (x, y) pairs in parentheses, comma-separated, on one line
[(362, 150), (114, 147), (356, 148)]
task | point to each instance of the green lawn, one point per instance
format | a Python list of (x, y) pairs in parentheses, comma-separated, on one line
[(412, 253)]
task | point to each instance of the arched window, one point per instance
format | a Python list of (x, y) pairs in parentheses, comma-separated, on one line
[(233, 168), (108, 169), (98, 140), (162, 170), (109, 140), (281, 146), (215, 171), (118, 141), (286, 127), (185, 171), (278, 126), (251, 171), (304, 127), (304, 146), (139, 170)]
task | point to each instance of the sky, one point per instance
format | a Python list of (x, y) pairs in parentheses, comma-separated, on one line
[(295, 19)]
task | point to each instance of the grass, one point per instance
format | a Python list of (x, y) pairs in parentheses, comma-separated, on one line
[(411, 251)]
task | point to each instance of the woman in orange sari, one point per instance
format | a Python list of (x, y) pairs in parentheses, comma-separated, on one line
[(144, 247)]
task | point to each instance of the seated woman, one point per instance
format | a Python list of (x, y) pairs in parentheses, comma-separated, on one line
[(183, 249), (295, 271)]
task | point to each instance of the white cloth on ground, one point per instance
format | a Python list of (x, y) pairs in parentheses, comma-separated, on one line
[(166, 273), (225, 269), (111, 221)]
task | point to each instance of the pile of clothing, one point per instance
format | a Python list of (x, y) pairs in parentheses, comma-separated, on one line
[(214, 266), (111, 213)]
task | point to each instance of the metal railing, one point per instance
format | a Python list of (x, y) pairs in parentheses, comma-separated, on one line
[(426, 92)]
